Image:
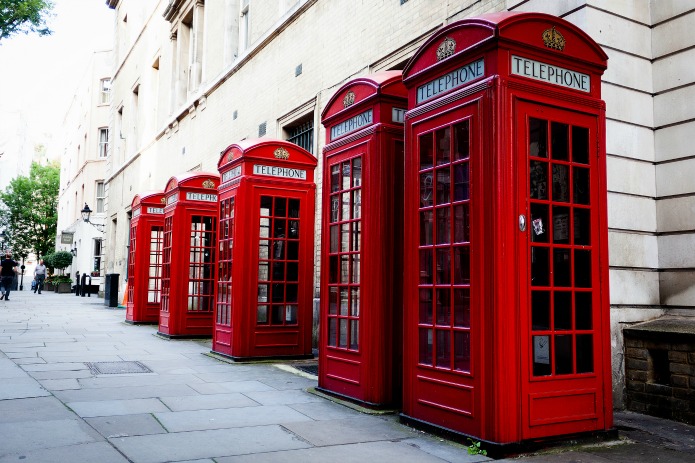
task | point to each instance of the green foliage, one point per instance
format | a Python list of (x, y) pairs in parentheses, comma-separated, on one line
[(475, 449), (24, 16), (48, 260), (61, 259), (61, 279), (29, 210)]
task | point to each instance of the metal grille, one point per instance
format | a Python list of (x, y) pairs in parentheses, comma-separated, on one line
[(116, 368), (302, 135)]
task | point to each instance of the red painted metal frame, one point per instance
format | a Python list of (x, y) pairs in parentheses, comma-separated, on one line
[(148, 214), (501, 400), (175, 318), (366, 370), (238, 332)]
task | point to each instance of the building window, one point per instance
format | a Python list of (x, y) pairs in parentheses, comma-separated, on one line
[(96, 268), (105, 91), (103, 142), (100, 197), (244, 26), (301, 133)]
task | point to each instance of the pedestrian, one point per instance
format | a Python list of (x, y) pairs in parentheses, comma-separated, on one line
[(40, 276), (7, 274)]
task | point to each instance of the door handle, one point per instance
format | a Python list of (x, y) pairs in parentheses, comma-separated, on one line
[(522, 222)]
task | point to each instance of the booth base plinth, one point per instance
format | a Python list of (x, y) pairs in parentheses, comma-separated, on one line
[(268, 359), (356, 404), (510, 449), (133, 322), (182, 336)]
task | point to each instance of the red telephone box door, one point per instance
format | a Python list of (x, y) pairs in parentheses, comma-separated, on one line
[(560, 301), (443, 365)]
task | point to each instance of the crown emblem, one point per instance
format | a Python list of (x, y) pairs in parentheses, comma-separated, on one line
[(163, 200), (553, 39), (349, 99), (446, 48), (281, 153), (208, 184)]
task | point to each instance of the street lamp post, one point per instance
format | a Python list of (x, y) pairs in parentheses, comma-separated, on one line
[(21, 278)]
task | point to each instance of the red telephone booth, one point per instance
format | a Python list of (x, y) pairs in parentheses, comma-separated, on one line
[(506, 269), (265, 272), (362, 239), (145, 258), (188, 264)]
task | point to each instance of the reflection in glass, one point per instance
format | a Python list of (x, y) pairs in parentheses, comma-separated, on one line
[(443, 155), (540, 310), (462, 307), (461, 224), (356, 204), (462, 351), (462, 265), (343, 301), (334, 238), (357, 172), (291, 314), (461, 141), (280, 207), (581, 185), (443, 348), (345, 168), (538, 175), (538, 137), (355, 268), (542, 356), (426, 267), (582, 226), (443, 307), (276, 317), (425, 306), (266, 206), (426, 189), (461, 182), (426, 228), (332, 331), (333, 300), (344, 268), (563, 354), (292, 271), (263, 273), (335, 178), (561, 224), (262, 314), (342, 332), (443, 266), (345, 209), (354, 302), (561, 185), (356, 226), (443, 185), (425, 345), (426, 151), (561, 267), (345, 237), (354, 334), (559, 134), (443, 225)]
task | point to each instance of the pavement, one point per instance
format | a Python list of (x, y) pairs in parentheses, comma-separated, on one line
[(78, 384)]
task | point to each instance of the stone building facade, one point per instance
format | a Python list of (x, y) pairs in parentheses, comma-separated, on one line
[(191, 77)]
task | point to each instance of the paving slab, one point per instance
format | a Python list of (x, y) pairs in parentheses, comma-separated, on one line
[(132, 392), (207, 444), (229, 418), (100, 452), (46, 408), (348, 431), (59, 384), (324, 410), (19, 388), (207, 402), (116, 407), (44, 434), (126, 425)]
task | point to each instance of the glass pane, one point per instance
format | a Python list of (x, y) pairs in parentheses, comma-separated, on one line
[(343, 301), (582, 308), (425, 306), (345, 206), (355, 268), (443, 266), (292, 271), (354, 302), (462, 351), (263, 293), (540, 269), (582, 226), (426, 189), (538, 137), (293, 211), (291, 314), (335, 178), (264, 249), (354, 334), (541, 356), (335, 208), (278, 249), (345, 168), (333, 301), (462, 265), (278, 271), (443, 307), (585, 353), (461, 182), (334, 238), (356, 204), (561, 183), (280, 207), (264, 231), (581, 186), (425, 347), (426, 151), (262, 314), (563, 355), (559, 134), (582, 269), (333, 269), (563, 310), (276, 317), (538, 180), (461, 224), (443, 185), (443, 154), (580, 145), (539, 223), (291, 293), (443, 226), (540, 310), (292, 250), (461, 141), (356, 227), (342, 332), (263, 271), (293, 229), (561, 267), (443, 349), (426, 228), (561, 224), (332, 332), (462, 307), (344, 268), (266, 206), (357, 172), (345, 237), (426, 267)]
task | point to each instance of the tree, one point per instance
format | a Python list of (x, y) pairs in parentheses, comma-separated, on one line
[(24, 16), (30, 210), (61, 260)]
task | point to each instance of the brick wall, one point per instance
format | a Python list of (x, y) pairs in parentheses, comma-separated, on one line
[(660, 370)]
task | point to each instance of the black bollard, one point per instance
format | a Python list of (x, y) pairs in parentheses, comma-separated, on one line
[(84, 283), (77, 283), (89, 291)]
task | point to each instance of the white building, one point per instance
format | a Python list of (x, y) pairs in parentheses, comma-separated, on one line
[(85, 132), (192, 76)]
